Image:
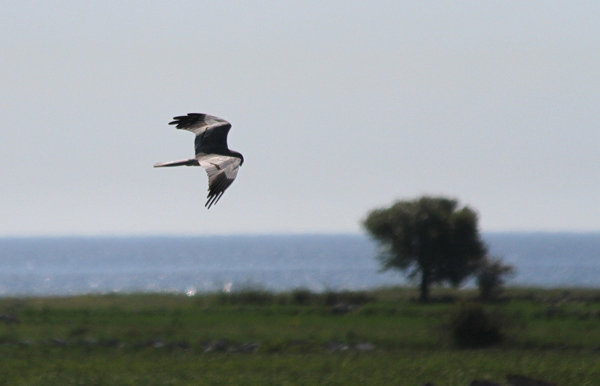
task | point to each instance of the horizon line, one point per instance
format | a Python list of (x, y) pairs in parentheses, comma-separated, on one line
[(271, 234)]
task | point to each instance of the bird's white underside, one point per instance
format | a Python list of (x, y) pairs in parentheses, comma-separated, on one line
[(215, 164)]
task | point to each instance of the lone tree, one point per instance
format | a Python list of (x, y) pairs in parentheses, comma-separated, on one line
[(431, 237)]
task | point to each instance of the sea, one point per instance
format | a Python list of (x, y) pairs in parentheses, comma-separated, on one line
[(63, 266)]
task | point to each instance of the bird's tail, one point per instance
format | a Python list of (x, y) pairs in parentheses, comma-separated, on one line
[(185, 162)]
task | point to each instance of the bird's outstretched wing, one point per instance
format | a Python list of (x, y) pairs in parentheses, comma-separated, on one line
[(197, 123), (221, 170), (211, 132)]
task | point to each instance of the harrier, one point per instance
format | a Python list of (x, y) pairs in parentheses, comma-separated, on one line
[(212, 153)]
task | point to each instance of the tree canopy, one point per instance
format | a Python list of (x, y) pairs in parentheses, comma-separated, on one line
[(431, 236)]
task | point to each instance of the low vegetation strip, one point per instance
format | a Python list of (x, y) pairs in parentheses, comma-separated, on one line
[(257, 337)]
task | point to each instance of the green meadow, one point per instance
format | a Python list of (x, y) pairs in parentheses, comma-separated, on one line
[(255, 337)]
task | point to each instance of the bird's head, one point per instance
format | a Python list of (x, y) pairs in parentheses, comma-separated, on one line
[(238, 155)]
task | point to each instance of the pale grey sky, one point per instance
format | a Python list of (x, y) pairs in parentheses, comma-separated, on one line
[(338, 107)]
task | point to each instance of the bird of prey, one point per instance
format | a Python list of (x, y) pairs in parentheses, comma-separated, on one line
[(212, 153)]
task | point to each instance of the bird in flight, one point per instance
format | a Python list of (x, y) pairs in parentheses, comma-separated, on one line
[(212, 153)]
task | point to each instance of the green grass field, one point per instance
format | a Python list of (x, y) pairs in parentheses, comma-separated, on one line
[(258, 338)]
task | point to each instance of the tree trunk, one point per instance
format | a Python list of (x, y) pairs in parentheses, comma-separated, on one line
[(425, 279)]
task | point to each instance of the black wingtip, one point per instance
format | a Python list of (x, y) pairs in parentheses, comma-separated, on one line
[(212, 200), (185, 120)]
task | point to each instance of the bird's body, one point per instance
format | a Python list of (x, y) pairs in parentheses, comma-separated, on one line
[(212, 153)]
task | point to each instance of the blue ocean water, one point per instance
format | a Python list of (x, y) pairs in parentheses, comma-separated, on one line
[(75, 265)]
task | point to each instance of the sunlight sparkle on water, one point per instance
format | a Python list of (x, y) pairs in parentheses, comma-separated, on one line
[(190, 291)]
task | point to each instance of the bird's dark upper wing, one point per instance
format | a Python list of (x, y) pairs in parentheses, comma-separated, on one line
[(211, 132), (221, 170)]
